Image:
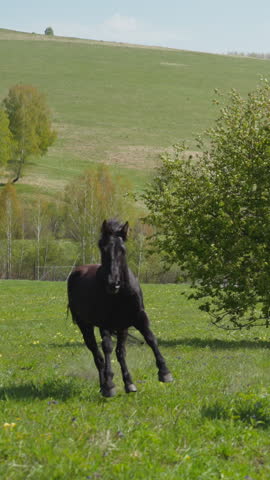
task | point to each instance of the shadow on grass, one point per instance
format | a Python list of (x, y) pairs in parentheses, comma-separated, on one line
[(246, 408), (195, 342), (54, 390), (215, 344)]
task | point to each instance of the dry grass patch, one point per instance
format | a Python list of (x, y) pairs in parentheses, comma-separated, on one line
[(44, 182), (82, 142), (135, 156)]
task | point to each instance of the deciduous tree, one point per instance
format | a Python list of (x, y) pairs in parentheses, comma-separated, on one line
[(6, 143), (212, 212), (29, 123), (10, 224), (49, 31), (90, 199)]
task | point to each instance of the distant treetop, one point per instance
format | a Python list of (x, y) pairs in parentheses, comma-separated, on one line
[(49, 31)]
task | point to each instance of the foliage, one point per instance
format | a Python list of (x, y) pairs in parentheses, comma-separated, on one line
[(29, 123), (5, 139), (212, 212), (49, 31), (211, 423), (90, 199), (29, 236)]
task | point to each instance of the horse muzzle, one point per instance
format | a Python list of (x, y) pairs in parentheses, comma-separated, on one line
[(113, 288)]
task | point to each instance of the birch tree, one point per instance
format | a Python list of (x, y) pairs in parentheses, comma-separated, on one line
[(89, 200), (9, 223)]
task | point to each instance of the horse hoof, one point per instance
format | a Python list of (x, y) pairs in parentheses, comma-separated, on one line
[(130, 388), (108, 392), (167, 377)]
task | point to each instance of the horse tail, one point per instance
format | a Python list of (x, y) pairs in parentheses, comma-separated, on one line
[(69, 292), (74, 319)]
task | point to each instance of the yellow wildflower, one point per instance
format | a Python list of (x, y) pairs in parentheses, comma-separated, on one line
[(9, 425)]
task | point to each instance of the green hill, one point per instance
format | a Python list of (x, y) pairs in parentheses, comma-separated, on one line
[(115, 103)]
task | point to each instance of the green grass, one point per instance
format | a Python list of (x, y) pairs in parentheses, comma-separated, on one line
[(211, 423), (118, 104)]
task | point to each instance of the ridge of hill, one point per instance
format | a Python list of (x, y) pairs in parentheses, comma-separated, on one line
[(121, 106), (17, 35)]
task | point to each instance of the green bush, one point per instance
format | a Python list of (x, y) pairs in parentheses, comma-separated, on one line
[(212, 212)]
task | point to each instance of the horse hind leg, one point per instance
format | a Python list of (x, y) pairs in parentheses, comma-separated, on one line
[(164, 375), (121, 357)]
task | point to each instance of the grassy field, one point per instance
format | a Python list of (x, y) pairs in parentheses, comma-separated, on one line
[(117, 104), (211, 423)]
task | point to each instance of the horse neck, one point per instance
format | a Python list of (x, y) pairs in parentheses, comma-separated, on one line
[(125, 274)]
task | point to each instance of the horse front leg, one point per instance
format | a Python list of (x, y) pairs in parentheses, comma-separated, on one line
[(121, 357), (143, 325), (91, 343), (107, 388)]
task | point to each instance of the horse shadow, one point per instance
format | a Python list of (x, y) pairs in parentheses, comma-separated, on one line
[(53, 391), (195, 342), (215, 343)]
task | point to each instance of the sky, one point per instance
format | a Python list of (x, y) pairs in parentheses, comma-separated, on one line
[(215, 26)]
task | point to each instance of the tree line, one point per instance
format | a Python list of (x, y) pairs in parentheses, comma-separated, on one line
[(38, 238), (261, 56)]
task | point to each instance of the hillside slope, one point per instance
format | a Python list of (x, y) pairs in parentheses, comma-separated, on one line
[(116, 104)]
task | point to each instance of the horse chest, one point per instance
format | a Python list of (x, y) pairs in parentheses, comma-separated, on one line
[(118, 312)]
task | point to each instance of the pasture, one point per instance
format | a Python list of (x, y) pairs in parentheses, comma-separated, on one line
[(211, 423), (117, 104)]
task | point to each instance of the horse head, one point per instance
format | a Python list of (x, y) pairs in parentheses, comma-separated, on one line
[(113, 254)]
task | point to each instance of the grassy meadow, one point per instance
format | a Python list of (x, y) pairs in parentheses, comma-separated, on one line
[(117, 104), (212, 422), (123, 105)]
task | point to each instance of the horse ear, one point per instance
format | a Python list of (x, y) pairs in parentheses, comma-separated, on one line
[(124, 231), (104, 227)]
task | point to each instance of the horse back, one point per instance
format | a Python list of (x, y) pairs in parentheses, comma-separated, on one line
[(85, 271)]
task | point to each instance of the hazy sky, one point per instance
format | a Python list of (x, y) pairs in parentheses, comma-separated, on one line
[(209, 25)]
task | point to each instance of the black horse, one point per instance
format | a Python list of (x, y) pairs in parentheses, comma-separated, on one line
[(108, 296)]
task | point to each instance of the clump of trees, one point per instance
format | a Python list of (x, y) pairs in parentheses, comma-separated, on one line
[(43, 240), (212, 212), (90, 199)]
